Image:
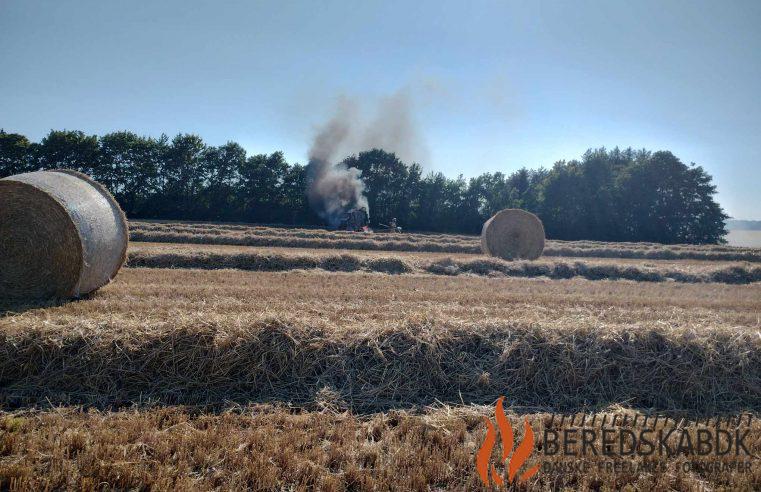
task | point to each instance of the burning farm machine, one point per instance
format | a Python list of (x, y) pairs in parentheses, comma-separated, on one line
[(358, 220), (355, 220)]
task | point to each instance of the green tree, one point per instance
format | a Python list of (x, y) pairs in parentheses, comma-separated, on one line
[(666, 201), (221, 166), (295, 204), (598, 171), (182, 178), (261, 183), (129, 167), (409, 210), (69, 150), (441, 203), (562, 206), (15, 154)]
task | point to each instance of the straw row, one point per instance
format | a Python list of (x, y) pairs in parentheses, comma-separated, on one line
[(416, 362), (273, 262), (315, 238)]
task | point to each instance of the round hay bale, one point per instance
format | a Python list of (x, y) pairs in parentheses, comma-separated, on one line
[(61, 235), (513, 234)]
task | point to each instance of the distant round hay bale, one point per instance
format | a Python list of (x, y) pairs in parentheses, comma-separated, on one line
[(61, 235), (513, 234)]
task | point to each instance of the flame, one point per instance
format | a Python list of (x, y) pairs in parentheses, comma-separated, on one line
[(521, 454)]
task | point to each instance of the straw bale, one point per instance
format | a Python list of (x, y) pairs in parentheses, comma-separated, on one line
[(513, 234), (61, 235)]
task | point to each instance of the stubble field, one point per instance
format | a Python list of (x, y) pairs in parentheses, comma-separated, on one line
[(229, 356)]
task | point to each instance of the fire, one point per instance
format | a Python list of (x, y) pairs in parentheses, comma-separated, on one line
[(519, 457)]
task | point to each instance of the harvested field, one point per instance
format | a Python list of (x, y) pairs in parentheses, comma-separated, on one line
[(284, 259), (266, 448), (248, 235), (380, 341), (225, 367)]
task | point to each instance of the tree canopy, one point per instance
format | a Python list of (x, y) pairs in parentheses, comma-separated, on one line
[(608, 195)]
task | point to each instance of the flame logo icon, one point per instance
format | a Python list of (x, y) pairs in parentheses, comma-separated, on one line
[(519, 457)]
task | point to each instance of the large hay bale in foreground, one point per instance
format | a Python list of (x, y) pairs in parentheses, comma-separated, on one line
[(513, 234), (61, 235)]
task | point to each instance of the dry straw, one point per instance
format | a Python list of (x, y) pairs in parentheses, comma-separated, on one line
[(513, 234), (61, 235), (347, 262), (423, 360), (290, 237)]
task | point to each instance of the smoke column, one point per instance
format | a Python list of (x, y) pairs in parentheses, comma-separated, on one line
[(332, 187), (393, 129)]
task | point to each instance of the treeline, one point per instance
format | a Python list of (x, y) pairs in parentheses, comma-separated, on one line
[(607, 195)]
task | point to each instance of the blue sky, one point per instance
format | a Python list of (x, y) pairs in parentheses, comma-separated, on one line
[(494, 85)]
